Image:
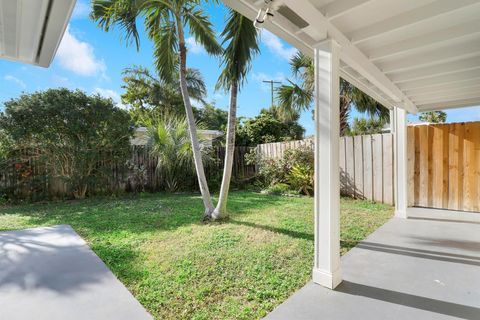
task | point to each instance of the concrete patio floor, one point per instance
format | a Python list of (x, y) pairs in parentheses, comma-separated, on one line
[(51, 273), (424, 267)]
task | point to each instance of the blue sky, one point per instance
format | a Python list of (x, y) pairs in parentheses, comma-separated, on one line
[(92, 60)]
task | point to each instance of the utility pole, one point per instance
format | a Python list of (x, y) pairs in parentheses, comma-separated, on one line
[(272, 83)]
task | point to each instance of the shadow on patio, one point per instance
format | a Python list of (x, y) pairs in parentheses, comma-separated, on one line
[(416, 268)]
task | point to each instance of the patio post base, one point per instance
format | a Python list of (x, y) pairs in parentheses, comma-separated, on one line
[(401, 214), (327, 279)]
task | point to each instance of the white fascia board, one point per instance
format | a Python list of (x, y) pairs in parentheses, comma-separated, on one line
[(447, 88), (60, 14), (409, 18), (442, 79), (462, 103), (433, 39), (33, 29), (436, 70), (350, 54)]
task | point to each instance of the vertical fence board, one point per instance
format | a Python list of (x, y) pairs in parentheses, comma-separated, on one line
[(437, 166), (359, 172), (388, 169), (377, 165), (411, 164), (350, 166), (423, 162), (368, 167)]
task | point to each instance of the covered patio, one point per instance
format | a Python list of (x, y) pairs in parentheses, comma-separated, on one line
[(411, 56), (422, 267)]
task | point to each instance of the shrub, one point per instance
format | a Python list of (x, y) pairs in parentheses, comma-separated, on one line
[(279, 189), (301, 178), (74, 133), (294, 169)]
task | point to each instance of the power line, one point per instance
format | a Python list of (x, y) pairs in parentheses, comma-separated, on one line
[(272, 84)]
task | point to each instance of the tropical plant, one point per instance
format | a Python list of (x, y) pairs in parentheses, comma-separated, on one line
[(241, 40), (294, 98), (146, 93), (433, 117), (70, 131), (301, 178), (170, 144), (295, 168), (165, 22)]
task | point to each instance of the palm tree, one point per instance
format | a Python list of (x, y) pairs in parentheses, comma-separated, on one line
[(148, 93), (294, 98), (241, 40), (165, 22)]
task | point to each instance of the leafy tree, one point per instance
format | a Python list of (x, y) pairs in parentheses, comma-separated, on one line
[(298, 97), (241, 40), (211, 117), (267, 127), (5, 145), (149, 95), (165, 22), (70, 129), (433, 117), (363, 126)]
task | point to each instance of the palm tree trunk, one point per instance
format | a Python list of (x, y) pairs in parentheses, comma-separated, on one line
[(192, 126), (344, 113), (221, 209)]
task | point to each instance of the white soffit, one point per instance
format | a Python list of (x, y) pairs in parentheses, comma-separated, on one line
[(31, 30), (416, 54)]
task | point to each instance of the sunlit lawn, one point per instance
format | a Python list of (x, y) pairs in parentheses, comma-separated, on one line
[(179, 268)]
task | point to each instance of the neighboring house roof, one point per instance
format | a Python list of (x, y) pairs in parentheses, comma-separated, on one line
[(141, 138)]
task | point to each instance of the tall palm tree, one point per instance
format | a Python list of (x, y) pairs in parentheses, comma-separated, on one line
[(146, 92), (294, 98), (165, 22), (241, 40)]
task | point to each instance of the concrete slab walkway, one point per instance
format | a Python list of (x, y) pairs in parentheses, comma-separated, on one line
[(424, 267), (51, 273)]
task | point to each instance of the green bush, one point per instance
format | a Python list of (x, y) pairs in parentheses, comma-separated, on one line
[(295, 170), (279, 189)]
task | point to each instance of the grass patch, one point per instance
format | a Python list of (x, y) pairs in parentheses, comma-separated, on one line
[(179, 268)]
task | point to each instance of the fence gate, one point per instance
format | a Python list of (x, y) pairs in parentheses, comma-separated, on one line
[(444, 166)]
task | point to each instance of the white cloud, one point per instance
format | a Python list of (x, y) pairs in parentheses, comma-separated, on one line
[(276, 46), (15, 80), (81, 10), (194, 47), (108, 93), (78, 56)]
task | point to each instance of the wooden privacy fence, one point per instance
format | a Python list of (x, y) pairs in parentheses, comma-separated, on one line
[(366, 164), (444, 166), (27, 176)]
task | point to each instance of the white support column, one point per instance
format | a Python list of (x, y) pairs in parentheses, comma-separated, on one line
[(401, 165), (326, 270)]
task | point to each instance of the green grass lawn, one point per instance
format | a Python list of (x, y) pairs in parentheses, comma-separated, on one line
[(179, 268)]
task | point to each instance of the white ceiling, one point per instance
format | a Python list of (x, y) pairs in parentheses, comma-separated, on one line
[(417, 54), (31, 30)]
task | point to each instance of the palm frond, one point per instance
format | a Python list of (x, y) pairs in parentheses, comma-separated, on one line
[(165, 52), (201, 28), (241, 40), (293, 99), (124, 13)]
